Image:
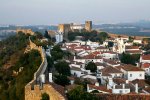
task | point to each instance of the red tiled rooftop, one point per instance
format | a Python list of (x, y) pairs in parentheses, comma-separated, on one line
[(146, 65), (110, 70), (101, 88), (119, 81), (146, 57), (132, 47), (129, 67)]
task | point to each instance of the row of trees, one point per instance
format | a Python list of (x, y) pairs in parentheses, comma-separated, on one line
[(93, 36)]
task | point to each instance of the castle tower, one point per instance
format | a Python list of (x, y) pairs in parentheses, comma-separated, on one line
[(64, 28), (88, 25)]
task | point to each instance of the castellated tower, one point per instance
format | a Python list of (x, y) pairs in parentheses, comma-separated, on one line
[(88, 25)]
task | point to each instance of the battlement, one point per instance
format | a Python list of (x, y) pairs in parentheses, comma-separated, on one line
[(25, 31), (36, 92)]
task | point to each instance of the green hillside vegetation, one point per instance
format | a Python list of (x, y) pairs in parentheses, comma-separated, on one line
[(93, 36), (12, 50)]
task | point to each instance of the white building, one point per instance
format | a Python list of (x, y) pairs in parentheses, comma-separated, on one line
[(59, 37), (139, 41), (146, 67), (121, 89), (120, 46), (109, 55), (132, 72), (76, 71)]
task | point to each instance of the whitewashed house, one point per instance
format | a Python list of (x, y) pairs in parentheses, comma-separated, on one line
[(121, 89), (132, 72)]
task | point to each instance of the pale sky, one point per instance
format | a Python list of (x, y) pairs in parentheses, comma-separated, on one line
[(47, 12)]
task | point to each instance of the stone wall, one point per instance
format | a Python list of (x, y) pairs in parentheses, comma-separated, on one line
[(34, 91)]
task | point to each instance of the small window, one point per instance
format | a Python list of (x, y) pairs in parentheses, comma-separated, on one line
[(120, 91), (140, 75), (130, 75)]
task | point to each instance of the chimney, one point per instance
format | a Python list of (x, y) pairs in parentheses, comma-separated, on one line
[(50, 77), (114, 86), (136, 88), (123, 86), (110, 81)]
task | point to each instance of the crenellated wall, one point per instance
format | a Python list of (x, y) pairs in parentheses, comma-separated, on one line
[(36, 93), (32, 90)]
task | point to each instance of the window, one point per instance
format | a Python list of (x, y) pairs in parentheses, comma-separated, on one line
[(120, 91), (140, 75), (130, 75)]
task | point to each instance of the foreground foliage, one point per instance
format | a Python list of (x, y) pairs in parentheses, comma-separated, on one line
[(14, 79)]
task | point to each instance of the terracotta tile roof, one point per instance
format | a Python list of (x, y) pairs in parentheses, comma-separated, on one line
[(110, 52), (110, 70), (112, 62), (134, 51), (91, 56), (132, 47), (147, 89), (105, 74), (146, 57), (129, 67), (96, 53), (101, 88), (119, 81), (141, 83), (145, 65)]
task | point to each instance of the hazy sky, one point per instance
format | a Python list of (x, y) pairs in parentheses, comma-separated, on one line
[(63, 11)]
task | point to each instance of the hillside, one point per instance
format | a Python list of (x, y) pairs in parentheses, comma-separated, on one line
[(16, 67)]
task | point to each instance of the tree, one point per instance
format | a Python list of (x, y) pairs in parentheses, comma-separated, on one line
[(39, 35), (79, 94), (61, 80), (110, 44), (57, 53), (50, 62), (63, 68), (131, 39), (45, 96), (103, 36), (91, 66), (130, 59), (46, 35)]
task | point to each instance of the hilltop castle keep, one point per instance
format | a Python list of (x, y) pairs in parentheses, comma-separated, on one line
[(65, 28), (25, 31)]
